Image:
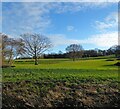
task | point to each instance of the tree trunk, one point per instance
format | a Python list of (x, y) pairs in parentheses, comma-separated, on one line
[(36, 63), (10, 58), (73, 59)]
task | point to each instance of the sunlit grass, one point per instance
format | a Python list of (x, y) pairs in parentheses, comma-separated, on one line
[(61, 69)]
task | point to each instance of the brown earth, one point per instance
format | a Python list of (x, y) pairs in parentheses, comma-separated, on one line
[(23, 95)]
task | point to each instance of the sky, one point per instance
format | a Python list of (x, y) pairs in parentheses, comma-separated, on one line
[(91, 24)]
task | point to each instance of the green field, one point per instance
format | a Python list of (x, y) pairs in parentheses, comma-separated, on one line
[(51, 75), (61, 68)]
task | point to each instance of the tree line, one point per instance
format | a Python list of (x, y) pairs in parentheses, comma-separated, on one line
[(34, 45), (114, 50)]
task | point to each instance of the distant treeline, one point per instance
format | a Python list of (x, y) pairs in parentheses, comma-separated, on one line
[(114, 50)]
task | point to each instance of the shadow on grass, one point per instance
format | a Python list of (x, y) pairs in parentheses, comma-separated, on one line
[(110, 65)]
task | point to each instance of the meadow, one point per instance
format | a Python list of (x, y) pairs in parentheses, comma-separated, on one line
[(87, 82)]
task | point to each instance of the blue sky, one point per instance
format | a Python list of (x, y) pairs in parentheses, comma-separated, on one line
[(91, 24)]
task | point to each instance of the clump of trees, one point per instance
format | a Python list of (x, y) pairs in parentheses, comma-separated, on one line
[(10, 48), (114, 50), (74, 51), (32, 45)]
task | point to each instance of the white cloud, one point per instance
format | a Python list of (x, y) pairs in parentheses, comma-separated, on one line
[(63, 7), (110, 22), (36, 15), (105, 40), (60, 1), (28, 16), (70, 28), (60, 39)]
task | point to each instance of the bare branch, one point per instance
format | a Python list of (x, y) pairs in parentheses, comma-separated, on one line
[(36, 44)]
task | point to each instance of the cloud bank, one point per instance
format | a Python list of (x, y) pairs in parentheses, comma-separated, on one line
[(60, 1), (35, 16), (100, 40), (110, 22)]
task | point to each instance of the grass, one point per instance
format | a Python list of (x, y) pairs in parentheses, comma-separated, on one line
[(61, 68), (67, 64), (38, 74)]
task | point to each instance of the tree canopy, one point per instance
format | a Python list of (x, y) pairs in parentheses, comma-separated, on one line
[(75, 51), (35, 44)]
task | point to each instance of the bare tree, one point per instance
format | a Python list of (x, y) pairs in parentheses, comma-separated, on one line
[(19, 47), (0, 50), (74, 51), (10, 48), (35, 45), (3, 47)]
